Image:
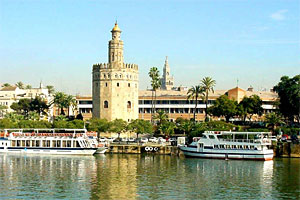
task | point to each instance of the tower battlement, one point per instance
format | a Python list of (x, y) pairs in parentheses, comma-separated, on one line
[(128, 66)]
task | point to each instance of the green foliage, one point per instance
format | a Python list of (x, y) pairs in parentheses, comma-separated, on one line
[(117, 126), (272, 120), (7, 123), (208, 84), (98, 125), (250, 106), (62, 100), (184, 125), (167, 128), (161, 116), (288, 90), (20, 85), (225, 107), (194, 93), (25, 106), (140, 126), (155, 84), (288, 131), (257, 130), (51, 89)]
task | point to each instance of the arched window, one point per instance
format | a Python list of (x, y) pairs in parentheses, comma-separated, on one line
[(128, 84), (105, 104), (118, 84), (128, 104)]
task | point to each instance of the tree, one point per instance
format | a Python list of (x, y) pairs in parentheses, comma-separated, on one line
[(6, 85), (51, 89), (98, 125), (70, 101), (117, 126), (208, 84), (28, 87), (272, 120), (39, 106), (288, 90), (167, 128), (140, 126), (184, 125), (250, 106), (223, 106), (2, 110), (22, 107), (155, 84), (161, 116), (60, 101), (194, 93), (20, 85)]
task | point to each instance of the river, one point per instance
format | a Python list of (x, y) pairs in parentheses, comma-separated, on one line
[(121, 176)]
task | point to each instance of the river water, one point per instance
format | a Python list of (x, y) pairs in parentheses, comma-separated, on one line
[(122, 176)]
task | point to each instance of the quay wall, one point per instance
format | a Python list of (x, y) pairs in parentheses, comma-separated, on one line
[(287, 150), (138, 149)]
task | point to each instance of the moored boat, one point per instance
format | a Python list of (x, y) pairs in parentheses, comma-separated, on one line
[(230, 145), (47, 141)]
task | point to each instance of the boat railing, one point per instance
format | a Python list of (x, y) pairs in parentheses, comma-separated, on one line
[(257, 141)]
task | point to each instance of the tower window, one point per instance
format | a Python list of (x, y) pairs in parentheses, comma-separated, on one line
[(105, 84), (105, 104), (128, 104), (128, 84), (118, 84)]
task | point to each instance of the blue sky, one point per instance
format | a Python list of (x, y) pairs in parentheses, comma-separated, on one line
[(58, 41)]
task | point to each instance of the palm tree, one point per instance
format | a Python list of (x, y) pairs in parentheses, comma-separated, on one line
[(51, 89), (60, 101), (208, 84), (155, 83), (70, 101), (194, 93), (273, 120), (161, 117), (20, 85), (28, 87)]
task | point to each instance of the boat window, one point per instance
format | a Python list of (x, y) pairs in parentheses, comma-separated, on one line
[(18, 143), (221, 146), (251, 147), (77, 144), (68, 143), (27, 143), (58, 143), (37, 143), (13, 143), (23, 143), (211, 137), (227, 146), (33, 143), (64, 143), (216, 146), (233, 146), (53, 143)]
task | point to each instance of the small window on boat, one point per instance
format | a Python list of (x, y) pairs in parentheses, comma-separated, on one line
[(68, 143), (27, 143), (222, 146), (233, 146), (18, 143), (58, 143), (251, 147), (211, 137), (216, 146), (227, 146)]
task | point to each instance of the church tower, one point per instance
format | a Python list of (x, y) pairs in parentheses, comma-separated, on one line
[(115, 84), (167, 81)]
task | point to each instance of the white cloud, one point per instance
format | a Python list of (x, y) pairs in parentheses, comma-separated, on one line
[(279, 15)]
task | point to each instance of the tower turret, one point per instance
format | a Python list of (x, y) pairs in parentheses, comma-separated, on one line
[(115, 47)]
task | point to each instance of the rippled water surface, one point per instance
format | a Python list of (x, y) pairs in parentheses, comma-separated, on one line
[(146, 177)]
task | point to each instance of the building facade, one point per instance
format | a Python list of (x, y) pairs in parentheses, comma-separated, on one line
[(115, 84), (175, 103), (12, 94)]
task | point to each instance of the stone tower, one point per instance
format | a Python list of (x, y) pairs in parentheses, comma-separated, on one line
[(115, 84), (167, 81)]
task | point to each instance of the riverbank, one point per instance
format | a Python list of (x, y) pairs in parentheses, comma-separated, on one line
[(138, 149)]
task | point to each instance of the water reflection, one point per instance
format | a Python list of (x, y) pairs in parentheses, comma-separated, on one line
[(146, 177)]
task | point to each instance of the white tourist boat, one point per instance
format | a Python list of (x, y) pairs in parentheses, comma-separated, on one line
[(48, 141), (230, 145)]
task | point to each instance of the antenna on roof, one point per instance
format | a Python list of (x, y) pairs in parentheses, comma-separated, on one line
[(237, 82)]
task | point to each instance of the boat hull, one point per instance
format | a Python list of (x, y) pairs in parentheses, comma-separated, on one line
[(101, 150), (231, 154), (52, 151)]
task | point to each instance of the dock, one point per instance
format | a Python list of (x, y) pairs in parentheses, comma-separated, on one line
[(138, 149)]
